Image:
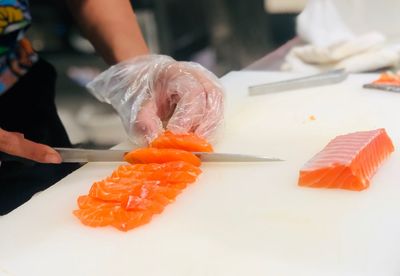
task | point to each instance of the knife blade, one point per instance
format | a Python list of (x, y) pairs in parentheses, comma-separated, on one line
[(325, 78), (90, 155), (385, 87)]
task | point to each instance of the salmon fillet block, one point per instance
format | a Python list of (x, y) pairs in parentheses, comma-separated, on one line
[(348, 161)]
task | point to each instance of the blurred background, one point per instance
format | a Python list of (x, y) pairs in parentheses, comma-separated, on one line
[(221, 35)]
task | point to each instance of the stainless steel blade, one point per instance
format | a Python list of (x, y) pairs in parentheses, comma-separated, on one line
[(233, 157), (87, 155), (325, 78), (72, 155)]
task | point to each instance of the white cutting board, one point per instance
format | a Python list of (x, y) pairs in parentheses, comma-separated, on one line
[(237, 219)]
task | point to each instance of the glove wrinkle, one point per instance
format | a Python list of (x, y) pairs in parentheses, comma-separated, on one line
[(154, 92)]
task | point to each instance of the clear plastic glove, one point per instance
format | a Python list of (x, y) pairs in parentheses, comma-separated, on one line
[(153, 93)]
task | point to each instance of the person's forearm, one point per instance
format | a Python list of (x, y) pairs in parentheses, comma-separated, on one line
[(111, 26)]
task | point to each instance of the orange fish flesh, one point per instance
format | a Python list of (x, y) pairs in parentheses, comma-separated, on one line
[(185, 141), (155, 155), (134, 192), (348, 161)]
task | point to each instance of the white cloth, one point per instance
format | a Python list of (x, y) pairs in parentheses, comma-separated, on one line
[(333, 43)]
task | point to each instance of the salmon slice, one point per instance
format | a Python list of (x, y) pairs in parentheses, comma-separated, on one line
[(115, 191), (118, 187), (132, 169), (116, 216), (185, 141), (348, 161), (143, 204), (86, 202), (151, 191), (155, 155), (127, 220), (135, 203), (95, 217), (94, 212), (388, 78), (168, 192), (169, 177), (119, 193)]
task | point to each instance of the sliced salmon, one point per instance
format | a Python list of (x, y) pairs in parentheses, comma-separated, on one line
[(184, 141), (124, 216), (132, 169), (155, 155), (126, 220), (348, 161), (120, 188), (388, 78), (96, 217), (134, 192), (93, 212), (115, 191), (134, 203), (170, 177), (168, 192)]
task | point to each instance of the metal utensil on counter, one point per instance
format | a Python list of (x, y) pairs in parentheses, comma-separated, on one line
[(384, 87), (329, 77), (89, 155)]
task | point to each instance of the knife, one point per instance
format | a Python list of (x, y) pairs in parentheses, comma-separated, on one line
[(76, 155), (72, 155), (385, 87), (325, 78)]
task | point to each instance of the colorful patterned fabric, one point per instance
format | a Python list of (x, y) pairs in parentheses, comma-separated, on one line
[(16, 53)]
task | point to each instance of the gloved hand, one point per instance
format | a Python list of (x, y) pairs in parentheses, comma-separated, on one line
[(154, 92)]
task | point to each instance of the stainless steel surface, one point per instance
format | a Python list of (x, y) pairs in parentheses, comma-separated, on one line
[(86, 155), (72, 155), (325, 78), (385, 87), (233, 157)]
